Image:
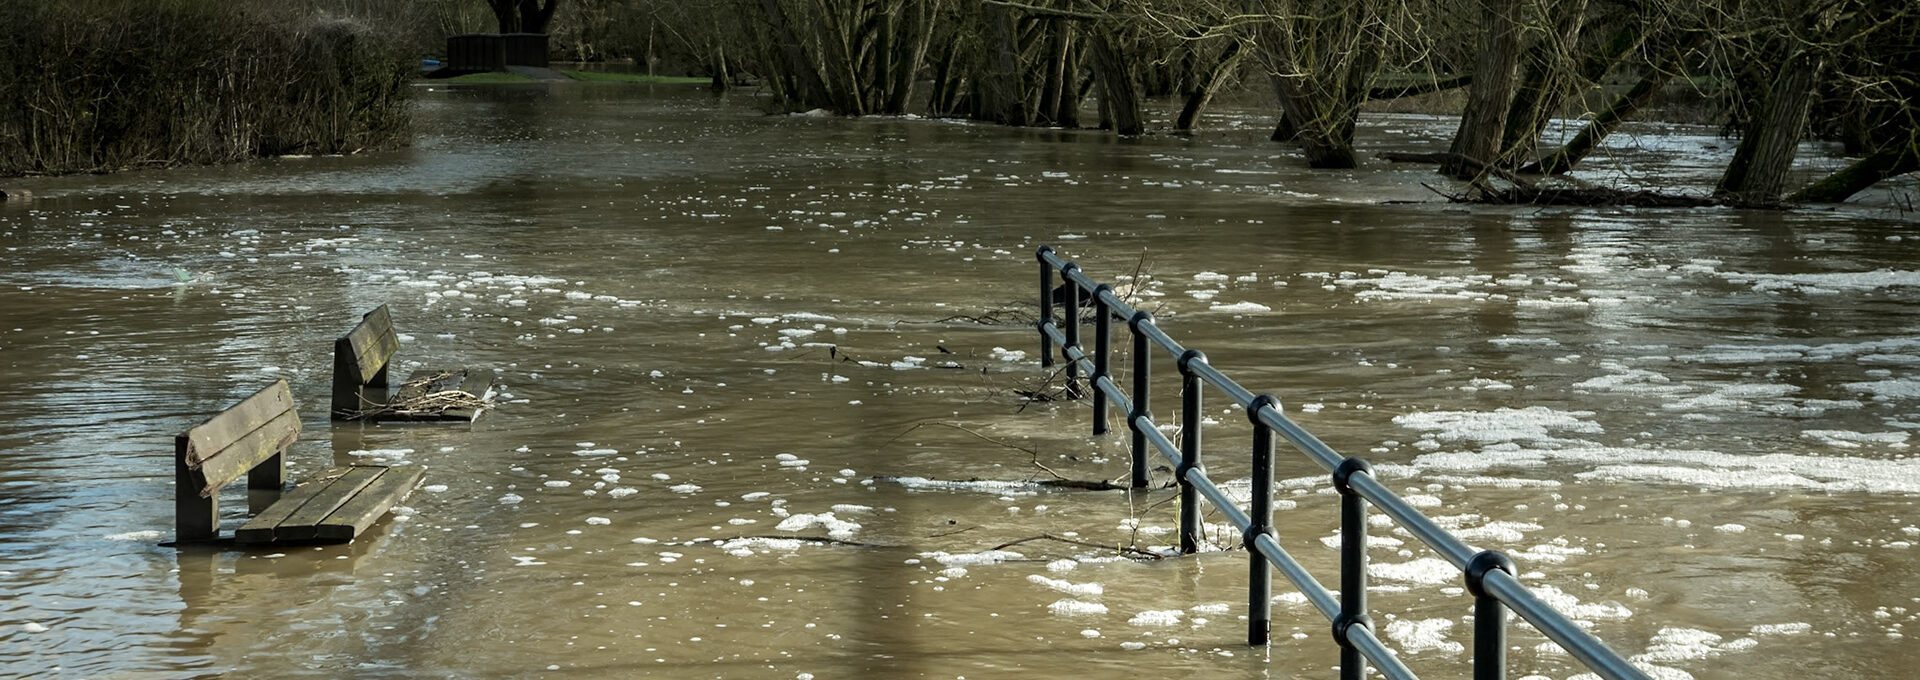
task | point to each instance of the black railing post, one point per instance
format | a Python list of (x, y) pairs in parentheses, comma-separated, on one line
[(1046, 305), (1353, 568), (1189, 451), (1102, 350), (1073, 327), (1489, 616), (1142, 398), (1260, 514)]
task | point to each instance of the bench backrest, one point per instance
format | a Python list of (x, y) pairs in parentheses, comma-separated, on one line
[(360, 360), (232, 443), (250, 438)]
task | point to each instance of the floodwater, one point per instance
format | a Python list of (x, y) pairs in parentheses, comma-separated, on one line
[(715, 332)]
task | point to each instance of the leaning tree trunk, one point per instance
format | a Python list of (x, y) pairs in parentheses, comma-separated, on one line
[(1549, 79), (1623, 107), (1207, 84), (1892, 161), (1484, 123), (1757, 175), (1054, 77)]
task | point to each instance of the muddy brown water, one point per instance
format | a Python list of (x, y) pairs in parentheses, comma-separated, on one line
[(1691, 428)]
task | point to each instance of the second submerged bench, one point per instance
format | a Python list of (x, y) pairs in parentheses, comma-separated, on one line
[(360, 385)]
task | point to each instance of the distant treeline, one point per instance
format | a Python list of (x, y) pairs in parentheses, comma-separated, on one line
[(102, 85), (1773, 71)]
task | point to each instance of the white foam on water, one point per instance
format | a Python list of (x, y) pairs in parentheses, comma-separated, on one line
[(1062, 565), (1833, 281), (1133, 646), (734, 546), (684, 488), (1209, 276), (836, 527), (1796, 628), (1674, 644), (1426, 571), (1076, 608), (1532, 424), (1424, 635), (33, 627), (1157, 617), (973, 559), (510, 498), (1508, 342), (1897, 388), (1240, 307), (134, 536), (1581, 611), (1852, 440), (984, 486), (1698, 468), (622, 492), (1068, 587)]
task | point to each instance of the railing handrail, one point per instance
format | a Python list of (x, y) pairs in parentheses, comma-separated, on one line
[(1489, 574)]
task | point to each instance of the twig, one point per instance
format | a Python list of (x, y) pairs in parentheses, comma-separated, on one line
[(1125, 550)]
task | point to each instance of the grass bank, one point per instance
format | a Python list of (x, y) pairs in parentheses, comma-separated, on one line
[(501, 77), (103, 85)]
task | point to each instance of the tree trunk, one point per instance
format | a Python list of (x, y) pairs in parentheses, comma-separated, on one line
[(1656, 76), (911, 51), (1118, 96), (505, 13), (1055, 72), (535, 16), (1484, 122), (1892, 161), (809, 91), (1757, 175), (999, 88), (1549, 78), (1207, 84), (1321, 70)]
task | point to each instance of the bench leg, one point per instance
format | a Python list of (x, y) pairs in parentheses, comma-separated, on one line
[(195, 518), (265, 481)]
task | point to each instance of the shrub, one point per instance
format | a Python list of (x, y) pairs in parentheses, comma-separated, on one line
[(101, 85)]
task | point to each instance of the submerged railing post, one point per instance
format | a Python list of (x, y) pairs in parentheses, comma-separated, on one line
[(1073, 327), (1046, 305), (1260, 514), (1142, 399), (1102, 350), (1189, 451), (1353, 568), (1489, 616)]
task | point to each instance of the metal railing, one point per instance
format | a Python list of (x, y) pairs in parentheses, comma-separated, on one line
[(1489, 574)]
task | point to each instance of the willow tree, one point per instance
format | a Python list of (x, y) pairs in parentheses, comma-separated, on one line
[(1798, 52), (1321, 55), (523, 16), (852, 58)]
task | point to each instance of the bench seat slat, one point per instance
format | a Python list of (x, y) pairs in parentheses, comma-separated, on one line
[(333, 506), (260, 529), (299, 525), (369, 505)]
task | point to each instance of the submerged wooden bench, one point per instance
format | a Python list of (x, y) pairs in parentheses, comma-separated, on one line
[(360, 385), (251, 439)]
